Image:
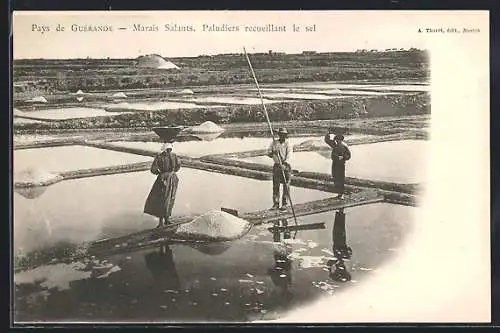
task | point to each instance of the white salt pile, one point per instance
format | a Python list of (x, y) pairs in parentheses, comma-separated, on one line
[(79, 99), (36, 177), (215, 225), (119, 95), (186, 92), (31, 192), (79, 92), (207, 127), (39, 99), (312, 144)]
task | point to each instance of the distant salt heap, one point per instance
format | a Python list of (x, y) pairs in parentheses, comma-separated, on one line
[(313, 144), (119, 95), (79, 92), (214, 225), (79, 98), (186, 92), (31, 192), (38, 99), (207, 127), (155, 61), (35, 177)]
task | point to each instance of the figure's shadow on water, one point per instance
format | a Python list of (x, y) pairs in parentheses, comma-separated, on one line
[(341, 251), (281, 273), (161, 264)]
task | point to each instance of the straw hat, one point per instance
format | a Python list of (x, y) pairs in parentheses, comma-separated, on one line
[(282, 131)]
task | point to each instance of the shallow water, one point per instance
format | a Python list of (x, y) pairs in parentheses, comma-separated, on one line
[(17, 120), (248, 279), (232, 100), (301, 96), (65, 113), (331, 85), (222, 145), (156, 106), (88, 209), (217, 146), (403, 87), (71, 158), (394, 161)]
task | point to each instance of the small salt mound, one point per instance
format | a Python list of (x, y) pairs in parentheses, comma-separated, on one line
[(186, 92), (214, 225), (313, 143), (36, 177), (119, 95), (31, 192), (79, 99), (79, 92), (207, 127), (39, 99)]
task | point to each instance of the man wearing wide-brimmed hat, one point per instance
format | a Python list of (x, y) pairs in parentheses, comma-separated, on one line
[(281, 152), (340, 154), (161, 198)]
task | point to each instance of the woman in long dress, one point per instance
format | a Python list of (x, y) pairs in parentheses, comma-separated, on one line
[(161, 198)]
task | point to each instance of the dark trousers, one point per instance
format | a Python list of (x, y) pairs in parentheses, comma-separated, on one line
[(338, 174), (277, 180)]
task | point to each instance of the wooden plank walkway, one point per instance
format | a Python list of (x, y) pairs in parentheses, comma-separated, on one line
[(151, 237), (258, 217)]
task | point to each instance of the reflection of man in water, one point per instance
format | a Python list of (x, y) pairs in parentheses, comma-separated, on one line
[(161, 199), (340, 154), (338, 271), (162, 266), (281, 273)]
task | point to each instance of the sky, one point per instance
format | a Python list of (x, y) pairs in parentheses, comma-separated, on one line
[(335, 31)]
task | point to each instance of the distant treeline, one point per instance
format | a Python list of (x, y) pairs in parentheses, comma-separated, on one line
[(106, 74), (390, 105)]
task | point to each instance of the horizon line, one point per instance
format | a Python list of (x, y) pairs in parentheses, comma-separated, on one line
[(312, 52)]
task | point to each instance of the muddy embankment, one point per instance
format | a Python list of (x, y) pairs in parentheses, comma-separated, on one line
[(335, 109)]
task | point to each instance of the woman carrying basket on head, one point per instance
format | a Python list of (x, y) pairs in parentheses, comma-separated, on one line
[(161, 198)]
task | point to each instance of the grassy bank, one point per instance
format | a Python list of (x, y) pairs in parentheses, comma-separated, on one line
[(380, 106)]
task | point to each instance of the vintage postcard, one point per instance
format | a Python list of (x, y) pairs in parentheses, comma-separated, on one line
[(251, 166)]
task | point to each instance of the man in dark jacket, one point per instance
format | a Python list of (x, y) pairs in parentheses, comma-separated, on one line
[(340, 154)]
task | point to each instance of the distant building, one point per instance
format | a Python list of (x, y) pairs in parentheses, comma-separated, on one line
[(309, 52)]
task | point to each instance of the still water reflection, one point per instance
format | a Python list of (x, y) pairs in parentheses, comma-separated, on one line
[(248, 279)]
